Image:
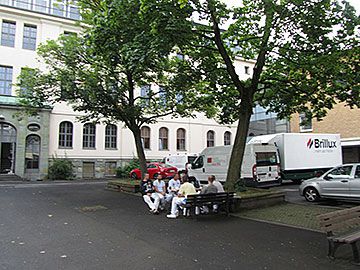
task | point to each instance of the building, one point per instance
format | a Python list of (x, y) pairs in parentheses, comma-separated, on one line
[(28, 144), (341, 119)]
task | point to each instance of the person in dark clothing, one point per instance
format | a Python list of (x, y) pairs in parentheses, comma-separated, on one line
[(147, 190)]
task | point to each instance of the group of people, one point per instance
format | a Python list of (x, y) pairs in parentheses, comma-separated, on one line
[(156, 195)]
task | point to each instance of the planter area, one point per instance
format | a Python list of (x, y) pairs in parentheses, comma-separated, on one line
[(131, 186), (254, 198)]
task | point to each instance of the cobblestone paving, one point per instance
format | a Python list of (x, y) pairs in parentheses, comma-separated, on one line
[(289, 214)]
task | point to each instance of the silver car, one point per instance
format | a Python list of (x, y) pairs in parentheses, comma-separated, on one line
[(341, 182)]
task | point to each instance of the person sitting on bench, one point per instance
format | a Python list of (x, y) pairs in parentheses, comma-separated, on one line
[(147, 190), (173, 188), (185, 189), (208, 189)]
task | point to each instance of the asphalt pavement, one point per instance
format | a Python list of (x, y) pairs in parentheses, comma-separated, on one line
[(86, 227)]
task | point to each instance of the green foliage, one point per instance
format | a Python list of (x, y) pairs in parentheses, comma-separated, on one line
[(124, 171), (61, 169)]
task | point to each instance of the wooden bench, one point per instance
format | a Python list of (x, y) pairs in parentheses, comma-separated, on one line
[(223, 200), (342, 227)]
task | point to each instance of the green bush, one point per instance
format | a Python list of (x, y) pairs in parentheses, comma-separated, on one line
[(124, 171), (61, 169)]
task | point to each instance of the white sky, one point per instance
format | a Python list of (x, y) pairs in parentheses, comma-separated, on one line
[(354, 3)]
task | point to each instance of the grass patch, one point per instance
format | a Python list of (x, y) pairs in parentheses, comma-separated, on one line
[(290, 214), (255, 192), (125, 181)]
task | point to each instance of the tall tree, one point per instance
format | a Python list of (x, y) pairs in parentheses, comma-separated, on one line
[(100, 72), (306, 55)]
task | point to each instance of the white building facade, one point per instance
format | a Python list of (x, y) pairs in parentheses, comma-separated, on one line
[(95, 150)]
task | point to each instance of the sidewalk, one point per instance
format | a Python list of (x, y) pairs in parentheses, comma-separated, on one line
[(48, 183)]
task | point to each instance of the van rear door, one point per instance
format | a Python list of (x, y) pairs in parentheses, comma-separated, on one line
[(267, 166)]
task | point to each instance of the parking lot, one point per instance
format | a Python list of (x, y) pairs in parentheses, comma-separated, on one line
[(292, 195)]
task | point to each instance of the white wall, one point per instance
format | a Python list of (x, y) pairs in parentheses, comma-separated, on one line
[(50, 27)]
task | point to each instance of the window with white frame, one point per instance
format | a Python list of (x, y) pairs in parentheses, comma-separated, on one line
[(89, 136), (181, 139), (305, 123), (145, 137), (41, 5), (6, 74), (210, 138), (227, 138), (163, 138), (29, 37), (110, 136), (65, 134), (8, 33)]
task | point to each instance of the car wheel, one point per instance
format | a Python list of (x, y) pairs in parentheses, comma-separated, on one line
[(134, 176), (311, 194), (155, 175)]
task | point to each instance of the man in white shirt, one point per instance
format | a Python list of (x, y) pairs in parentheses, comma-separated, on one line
[(160, 192), (173, 188), (185, 189)]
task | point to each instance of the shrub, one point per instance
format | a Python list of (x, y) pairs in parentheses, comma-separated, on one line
[(61, 169), (124, 171)]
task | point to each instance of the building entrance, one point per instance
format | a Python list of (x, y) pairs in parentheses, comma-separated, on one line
[(7, 148)]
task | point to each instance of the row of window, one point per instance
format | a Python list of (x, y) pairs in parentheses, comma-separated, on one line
[(60, 8), (8, 31), (66, 130)]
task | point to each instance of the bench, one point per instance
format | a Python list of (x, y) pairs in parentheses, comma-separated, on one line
[(342, 227), (223, 200)]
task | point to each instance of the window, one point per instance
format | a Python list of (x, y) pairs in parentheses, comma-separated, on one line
[(68, 33), (179, 97), (339, 171), (357, 172), (89, 131), (266, 158), (58, 8), (210, 138), (32, 152), (144, 92), (8, 33), (65, 134), (180, 139), (145, 137), (5, 80), (227, 138), (74, 13), (305, 123), (110, 136), (29, 37), (163, 138), (22, 4), (40, 5), (247, 70), (198, 163), (180, 56)]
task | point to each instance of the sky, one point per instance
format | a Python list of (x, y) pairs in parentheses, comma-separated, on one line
[(354, 3)]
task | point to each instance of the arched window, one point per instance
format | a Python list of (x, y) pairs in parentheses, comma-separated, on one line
[(32, 152), (210, 138), (145, 137), (163, 138), (110, 136), (227, 138), (65, 135), (89, 136), (181, 139)]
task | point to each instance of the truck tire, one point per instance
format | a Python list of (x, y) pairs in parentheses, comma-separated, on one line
[(297, 181)]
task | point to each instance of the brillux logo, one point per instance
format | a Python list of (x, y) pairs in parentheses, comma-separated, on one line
[(323, 143)]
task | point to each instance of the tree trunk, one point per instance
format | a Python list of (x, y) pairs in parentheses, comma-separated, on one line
[(140, 150), (234, 170)]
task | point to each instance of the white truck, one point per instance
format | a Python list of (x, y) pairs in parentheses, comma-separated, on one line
[(179, 161), (304, 155), (260, 165)]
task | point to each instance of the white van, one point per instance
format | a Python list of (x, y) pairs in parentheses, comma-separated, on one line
[(260, 165), (179, 161)]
